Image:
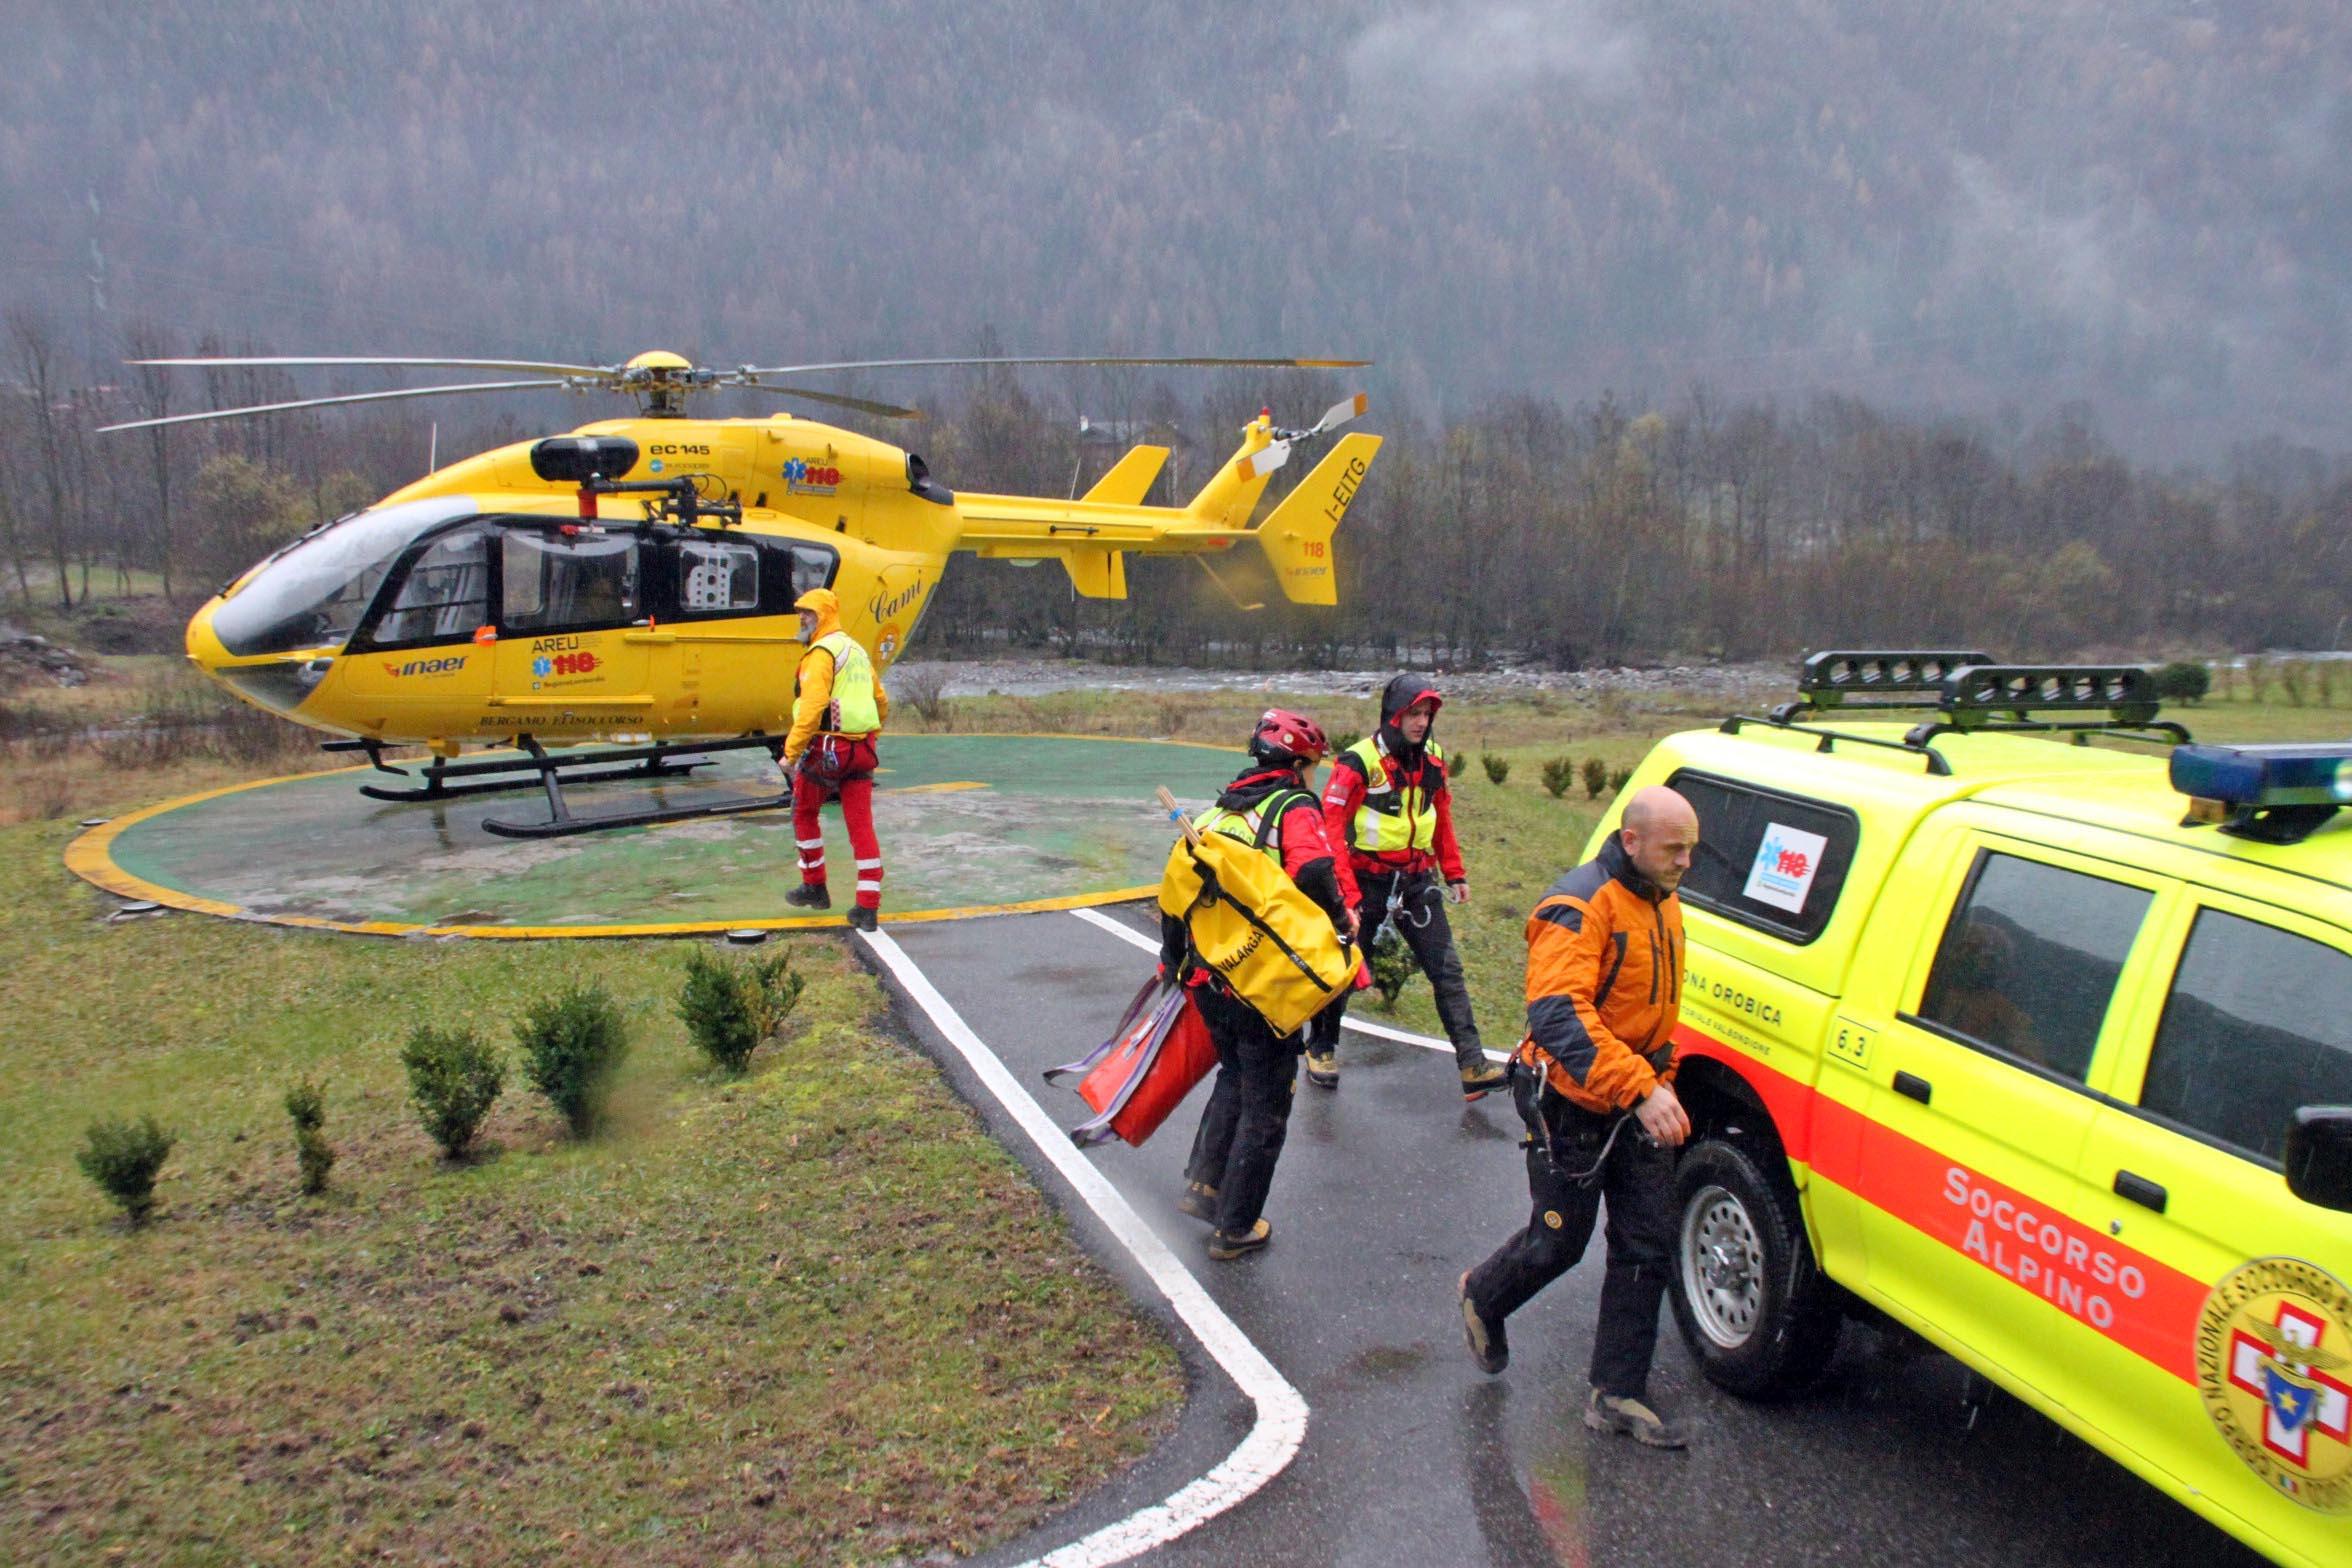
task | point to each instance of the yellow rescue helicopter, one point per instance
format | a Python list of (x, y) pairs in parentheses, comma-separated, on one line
[(631, 583)]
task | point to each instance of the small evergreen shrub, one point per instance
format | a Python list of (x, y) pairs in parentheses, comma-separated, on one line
[(1497, 768), (729, 1008), (122, 1157), (1341, 740), (454, 1078), (1619, 778), (1558, 774), (306, 1103), (1392, 966), (2184, 680), (1596, 777), (573, 1043)]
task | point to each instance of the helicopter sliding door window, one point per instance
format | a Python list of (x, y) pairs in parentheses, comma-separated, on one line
[(793, 569), (550, 582), (442, 595), (717, 577)]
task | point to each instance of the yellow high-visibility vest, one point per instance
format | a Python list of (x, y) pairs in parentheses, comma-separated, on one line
[(1393, 817), (852, 710)]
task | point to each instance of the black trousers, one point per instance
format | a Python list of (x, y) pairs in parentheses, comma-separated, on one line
[(1248, 1115), (1421, 921), (1635, 1177)]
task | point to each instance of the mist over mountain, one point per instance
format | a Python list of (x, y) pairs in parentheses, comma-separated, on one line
[(1994, 208)]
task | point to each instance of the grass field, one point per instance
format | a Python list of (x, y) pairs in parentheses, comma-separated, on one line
[(815, 1314)]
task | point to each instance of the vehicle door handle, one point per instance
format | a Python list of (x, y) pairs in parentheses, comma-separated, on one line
[(1916, 1087), (2140, 1190)]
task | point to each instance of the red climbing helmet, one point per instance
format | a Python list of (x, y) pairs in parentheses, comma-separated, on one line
[(1285, 739)]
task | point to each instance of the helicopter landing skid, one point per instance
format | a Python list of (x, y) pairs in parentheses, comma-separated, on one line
[(437, 787), (660, 761), (652, 762)]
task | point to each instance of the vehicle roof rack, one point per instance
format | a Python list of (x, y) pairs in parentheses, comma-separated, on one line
[(1971, 693)]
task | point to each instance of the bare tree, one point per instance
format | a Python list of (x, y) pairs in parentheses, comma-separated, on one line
[(152, 388), (33, 346)]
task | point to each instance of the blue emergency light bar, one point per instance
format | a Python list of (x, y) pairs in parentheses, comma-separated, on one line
[(2259, 778)]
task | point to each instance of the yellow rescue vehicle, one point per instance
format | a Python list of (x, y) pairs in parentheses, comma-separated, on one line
[(2042, 1050)]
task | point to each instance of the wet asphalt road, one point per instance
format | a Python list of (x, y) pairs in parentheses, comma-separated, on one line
[(1387, 1190)]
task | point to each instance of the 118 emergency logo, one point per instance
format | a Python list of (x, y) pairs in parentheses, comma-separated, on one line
[(564, 664), (2274, 1365), (805, 477)]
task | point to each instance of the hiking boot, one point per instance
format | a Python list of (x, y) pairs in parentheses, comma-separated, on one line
[(1488, 1346), (863, 919), (1323, 1069), (1199, 1202), (1481, 1078), (1609, 1413), (1226, 1248), (809, 895)]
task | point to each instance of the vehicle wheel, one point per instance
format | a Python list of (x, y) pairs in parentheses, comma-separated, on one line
[(1751, 1302)]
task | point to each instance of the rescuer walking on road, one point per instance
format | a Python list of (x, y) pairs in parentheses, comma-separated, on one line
[(1387, 801), (838, 706), (1241, 1133), (1594, 1081)]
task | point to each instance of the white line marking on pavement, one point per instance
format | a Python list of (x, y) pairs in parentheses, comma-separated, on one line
[(1282, 1411), (1133, 937)]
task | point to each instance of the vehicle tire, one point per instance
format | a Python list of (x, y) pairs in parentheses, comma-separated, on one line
[(1752, 1304)]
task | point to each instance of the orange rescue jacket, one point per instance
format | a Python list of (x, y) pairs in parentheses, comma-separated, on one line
[(1604, 983)]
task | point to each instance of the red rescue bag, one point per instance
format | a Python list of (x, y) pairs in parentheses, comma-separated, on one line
[(1133, 1080)]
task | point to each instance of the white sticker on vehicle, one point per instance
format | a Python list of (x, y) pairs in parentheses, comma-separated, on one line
[(1785, 866)]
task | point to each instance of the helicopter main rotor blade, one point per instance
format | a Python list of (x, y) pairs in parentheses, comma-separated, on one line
[(1081, 359), (862, 405), (531, 366), (325, 402)]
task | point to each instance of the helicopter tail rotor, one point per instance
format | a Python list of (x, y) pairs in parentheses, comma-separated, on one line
[(1276, 453)]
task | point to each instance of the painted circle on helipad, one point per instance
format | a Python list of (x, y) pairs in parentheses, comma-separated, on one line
[(969, 824)]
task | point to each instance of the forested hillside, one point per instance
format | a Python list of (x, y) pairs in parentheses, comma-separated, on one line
[(1949, 204), (1719, 327)]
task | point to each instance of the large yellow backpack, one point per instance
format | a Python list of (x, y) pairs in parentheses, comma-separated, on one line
[(1273, 946)]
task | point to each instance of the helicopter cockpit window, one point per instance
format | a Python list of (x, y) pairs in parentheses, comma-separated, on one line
[(313, 593), (557, 583), (716, 576), (443, 594)]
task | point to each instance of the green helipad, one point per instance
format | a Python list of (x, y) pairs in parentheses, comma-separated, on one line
[(970, 824)]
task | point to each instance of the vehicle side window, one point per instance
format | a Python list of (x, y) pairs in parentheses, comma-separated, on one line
[(443, 594), (2030, 959), (553, 583), (1772, 861), (716, 576), (2258, 1023)]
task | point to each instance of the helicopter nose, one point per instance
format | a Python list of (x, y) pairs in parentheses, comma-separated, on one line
[(279, 685)]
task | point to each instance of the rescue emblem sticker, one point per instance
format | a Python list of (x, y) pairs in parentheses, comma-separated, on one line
[(2274, 1367), (1784, 868)]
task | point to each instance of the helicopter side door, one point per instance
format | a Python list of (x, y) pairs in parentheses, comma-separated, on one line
[(416, 666), (731, 633), (566, 662)]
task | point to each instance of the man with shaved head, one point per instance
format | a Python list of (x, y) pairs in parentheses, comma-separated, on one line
[(1594, 1081)]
